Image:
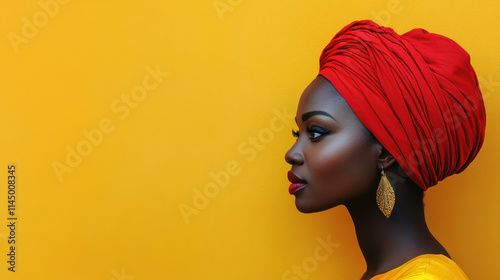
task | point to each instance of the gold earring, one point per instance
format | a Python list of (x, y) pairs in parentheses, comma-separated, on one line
[(385, 196)]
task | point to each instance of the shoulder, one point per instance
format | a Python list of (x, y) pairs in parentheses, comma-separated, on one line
[(425, 267)]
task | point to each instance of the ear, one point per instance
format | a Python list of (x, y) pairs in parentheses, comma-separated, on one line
[(385, 159)]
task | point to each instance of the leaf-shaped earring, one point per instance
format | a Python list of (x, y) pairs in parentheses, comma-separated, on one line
[(385, 196)]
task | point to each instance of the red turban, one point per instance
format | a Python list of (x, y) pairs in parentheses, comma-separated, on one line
[(417, 93)]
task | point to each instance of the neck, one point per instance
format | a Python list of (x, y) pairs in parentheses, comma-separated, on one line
[(387, 243)]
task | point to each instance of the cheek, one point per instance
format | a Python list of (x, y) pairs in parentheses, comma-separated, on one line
[(343, 164)]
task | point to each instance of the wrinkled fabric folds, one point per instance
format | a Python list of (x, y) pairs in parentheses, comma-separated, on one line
[(417, 93)]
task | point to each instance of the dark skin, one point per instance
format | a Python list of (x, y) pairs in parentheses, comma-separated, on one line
[(341, 162)]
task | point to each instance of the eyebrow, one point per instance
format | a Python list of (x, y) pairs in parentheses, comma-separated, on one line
[(308, 115)]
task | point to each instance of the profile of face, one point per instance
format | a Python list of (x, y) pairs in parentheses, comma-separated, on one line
[(335, 159)]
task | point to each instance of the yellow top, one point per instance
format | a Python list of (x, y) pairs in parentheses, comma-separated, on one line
[(425, 267)]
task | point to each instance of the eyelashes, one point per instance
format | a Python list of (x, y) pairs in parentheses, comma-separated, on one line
[(314, 132)]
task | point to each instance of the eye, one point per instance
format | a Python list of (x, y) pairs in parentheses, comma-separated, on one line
[(295, 133), (316, 132)]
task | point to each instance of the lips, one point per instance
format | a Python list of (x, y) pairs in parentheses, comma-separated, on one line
[(296, 183)]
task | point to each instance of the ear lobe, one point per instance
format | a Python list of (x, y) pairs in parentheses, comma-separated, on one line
[(385, 159)]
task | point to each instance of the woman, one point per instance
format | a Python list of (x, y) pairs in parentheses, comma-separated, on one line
[(387, 117)]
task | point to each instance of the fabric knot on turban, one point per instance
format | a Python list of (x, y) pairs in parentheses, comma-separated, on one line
[(417, 94)]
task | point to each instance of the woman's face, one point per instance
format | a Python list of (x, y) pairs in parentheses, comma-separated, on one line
[(334, 152)]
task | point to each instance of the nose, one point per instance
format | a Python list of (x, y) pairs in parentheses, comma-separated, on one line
[(294, 155)]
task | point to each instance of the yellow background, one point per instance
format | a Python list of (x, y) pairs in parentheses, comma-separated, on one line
[(117, 215)]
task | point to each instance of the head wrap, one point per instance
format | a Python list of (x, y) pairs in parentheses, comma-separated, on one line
[(417, 93)]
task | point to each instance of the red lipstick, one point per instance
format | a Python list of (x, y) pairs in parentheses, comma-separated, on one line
[(297, 183)]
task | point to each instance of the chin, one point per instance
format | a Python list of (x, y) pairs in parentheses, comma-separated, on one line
[(308, 207)]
